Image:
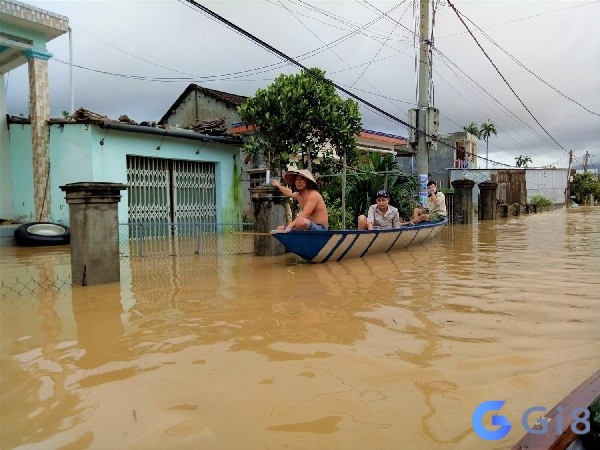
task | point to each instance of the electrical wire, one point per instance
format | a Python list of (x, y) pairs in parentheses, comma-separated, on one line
[(502, 76), (527, 69), (246, 72)]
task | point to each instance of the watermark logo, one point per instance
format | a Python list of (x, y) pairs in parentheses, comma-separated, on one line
[(580, 424), (497, 420)]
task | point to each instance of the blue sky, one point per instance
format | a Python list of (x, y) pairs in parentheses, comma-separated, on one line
[(138, 56)]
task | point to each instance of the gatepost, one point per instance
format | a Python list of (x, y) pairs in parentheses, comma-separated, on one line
[(462, 211), (487, 200), (268, 206), (94, 223)]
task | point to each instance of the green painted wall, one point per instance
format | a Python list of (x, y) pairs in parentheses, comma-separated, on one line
[(76, 155)]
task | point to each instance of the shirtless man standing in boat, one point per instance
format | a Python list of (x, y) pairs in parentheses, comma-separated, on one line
[(314, 215)]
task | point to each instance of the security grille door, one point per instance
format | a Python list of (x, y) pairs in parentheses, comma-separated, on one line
[(168, 197), (194, 196)]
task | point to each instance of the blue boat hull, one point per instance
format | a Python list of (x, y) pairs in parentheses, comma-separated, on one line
[(335, 245)]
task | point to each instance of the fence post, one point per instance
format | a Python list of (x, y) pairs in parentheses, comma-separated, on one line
[(197, 233), (268, 205), (487, 200), (94, 223), (462, 210)]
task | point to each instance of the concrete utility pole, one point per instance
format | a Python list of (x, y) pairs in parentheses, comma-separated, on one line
[(568, 199), (425, 118), (424, 113), (585, 161), (423, 101)]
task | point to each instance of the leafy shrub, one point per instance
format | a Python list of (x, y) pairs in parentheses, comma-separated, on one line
[(334, 208), (540, 200)]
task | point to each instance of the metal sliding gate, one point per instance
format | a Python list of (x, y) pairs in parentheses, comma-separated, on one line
[(170, 197)]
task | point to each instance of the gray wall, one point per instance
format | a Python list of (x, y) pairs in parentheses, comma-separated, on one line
[(549, 183), (441, 158), (198, 106)]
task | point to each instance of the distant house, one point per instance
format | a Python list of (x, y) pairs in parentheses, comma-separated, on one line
[(197, 104), (453, 151)]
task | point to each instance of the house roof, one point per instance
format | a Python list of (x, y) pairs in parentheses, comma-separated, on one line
[(26, 29), (86, 117), (225, 97)]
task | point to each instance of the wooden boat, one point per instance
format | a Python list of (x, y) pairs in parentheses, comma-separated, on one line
[(586, 395), (335, 245)]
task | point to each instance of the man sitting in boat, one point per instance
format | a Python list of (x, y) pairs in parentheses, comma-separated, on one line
[(314, 215), (435, 206), (380, 215)]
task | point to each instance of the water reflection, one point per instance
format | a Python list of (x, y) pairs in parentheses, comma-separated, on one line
[(195, 351), (100, 330)]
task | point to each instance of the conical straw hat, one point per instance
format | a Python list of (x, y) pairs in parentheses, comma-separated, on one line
[(290, 178)]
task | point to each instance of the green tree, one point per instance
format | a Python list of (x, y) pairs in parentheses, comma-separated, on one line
[(585, 184), (473, 129), (486, 130), (523, 160), (301, 115)]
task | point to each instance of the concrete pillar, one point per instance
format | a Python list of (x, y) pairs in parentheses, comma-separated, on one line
[(462, 211), (39, 113), (517, 209), (487, 200), (94, 223), (268, 206), (6, 190)]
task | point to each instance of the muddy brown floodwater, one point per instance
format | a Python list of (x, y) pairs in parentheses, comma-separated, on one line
[(244, 352)]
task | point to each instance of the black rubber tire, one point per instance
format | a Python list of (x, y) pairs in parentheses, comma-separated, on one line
[(27, 236)]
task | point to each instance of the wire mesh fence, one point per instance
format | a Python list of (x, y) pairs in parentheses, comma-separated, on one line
[(27, 284), (172, 239), (205, 243)]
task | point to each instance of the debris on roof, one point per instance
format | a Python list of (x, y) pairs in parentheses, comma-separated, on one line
[(125, 119), (214, 127), (85, 115)]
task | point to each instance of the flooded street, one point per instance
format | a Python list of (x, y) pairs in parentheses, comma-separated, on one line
[(244, 352)]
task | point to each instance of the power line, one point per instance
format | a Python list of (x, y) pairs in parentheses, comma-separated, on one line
[(530, 17), (310, 72), (502, 76), (528, 70), (242, 74), (293, 61)]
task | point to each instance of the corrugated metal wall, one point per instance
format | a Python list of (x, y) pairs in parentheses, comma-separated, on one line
[(549, 183)]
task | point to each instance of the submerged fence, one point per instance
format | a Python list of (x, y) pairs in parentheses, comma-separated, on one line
[(205, 242), (175, 239)]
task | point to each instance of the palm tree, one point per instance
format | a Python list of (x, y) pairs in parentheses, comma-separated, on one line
[(473, 129), (487, 129), (523, 160)]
